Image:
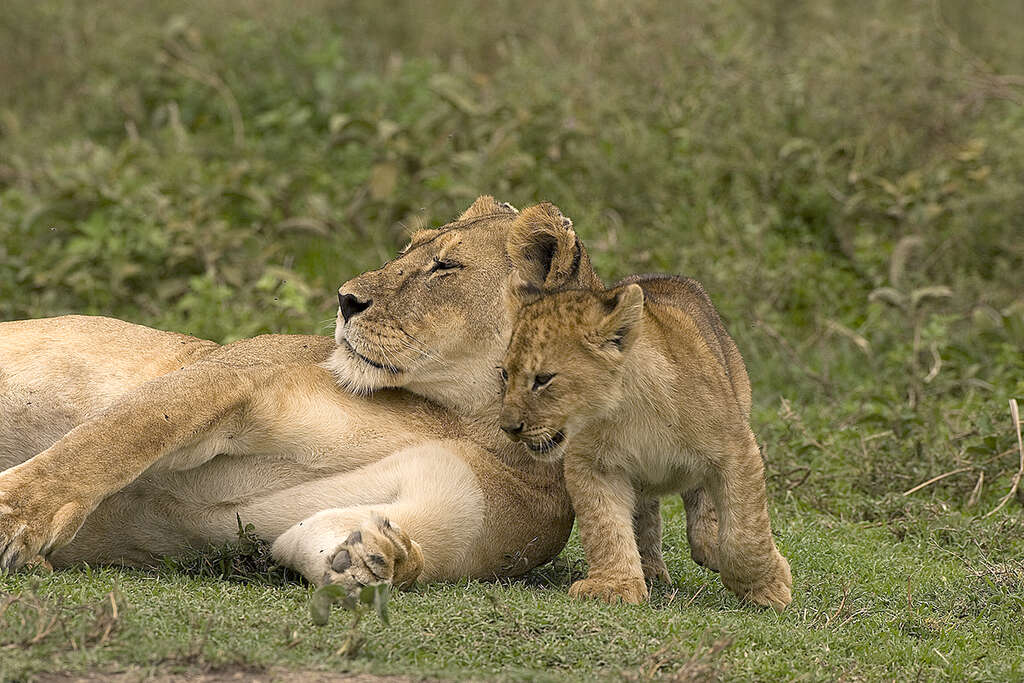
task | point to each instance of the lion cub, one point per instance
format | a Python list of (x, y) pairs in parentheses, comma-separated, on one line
[(643, 393)]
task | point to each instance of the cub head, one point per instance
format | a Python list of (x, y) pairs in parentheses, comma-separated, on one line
[(436, 319), (565, 364)]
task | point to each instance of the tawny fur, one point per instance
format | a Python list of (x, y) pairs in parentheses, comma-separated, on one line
[(374, 456), (642, 392)]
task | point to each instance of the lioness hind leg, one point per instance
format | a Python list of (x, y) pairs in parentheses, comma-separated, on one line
[(750, 564), (702, 528)]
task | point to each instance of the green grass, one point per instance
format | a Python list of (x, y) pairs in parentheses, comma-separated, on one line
[(845, 178), (866, 606)]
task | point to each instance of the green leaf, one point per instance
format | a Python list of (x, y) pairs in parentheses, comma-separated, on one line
[(324, 597), (377, 596)]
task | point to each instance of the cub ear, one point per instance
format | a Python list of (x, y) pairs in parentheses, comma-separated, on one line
[(485, 205), (623, 313), (543, 248)]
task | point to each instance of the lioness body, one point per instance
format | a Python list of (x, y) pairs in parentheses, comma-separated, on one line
[(302, 439), (643, 393), (125, 443)]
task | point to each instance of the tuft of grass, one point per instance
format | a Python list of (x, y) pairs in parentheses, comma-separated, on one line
[(247, 560), (29, 620)]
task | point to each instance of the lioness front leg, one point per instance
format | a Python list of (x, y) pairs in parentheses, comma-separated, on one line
[(604, 505), (45, 500), (750, 564), (647, 527)]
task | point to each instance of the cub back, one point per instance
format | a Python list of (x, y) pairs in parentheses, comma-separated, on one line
[(687, 296)]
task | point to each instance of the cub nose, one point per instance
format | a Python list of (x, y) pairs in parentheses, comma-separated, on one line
[(350, 305), (512, 429)]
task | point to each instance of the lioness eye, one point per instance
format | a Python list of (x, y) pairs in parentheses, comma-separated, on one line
[(443, 264), (541, 381), (504, 374)]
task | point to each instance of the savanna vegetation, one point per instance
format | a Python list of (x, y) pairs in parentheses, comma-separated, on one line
[(847, 179)]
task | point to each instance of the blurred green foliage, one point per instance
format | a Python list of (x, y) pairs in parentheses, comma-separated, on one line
[(845, 179), (848, 187)]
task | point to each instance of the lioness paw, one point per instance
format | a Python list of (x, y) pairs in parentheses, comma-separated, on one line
[(33, 521), (628, 590), (377, 552)]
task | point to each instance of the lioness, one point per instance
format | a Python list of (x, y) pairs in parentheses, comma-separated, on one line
[(643, 392), (375, 456)]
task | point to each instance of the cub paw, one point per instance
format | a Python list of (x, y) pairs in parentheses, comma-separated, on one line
[(33, 521), (705, 553), (629, 590), (773, 589), (655, 570), (377, 552)]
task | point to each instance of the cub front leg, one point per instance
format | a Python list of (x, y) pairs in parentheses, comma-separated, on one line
[(647, 527), (604, 505)]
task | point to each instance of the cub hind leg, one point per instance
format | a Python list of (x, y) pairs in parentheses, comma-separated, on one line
[(750, 564)]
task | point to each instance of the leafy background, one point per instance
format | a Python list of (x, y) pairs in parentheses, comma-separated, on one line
[(845, 178)]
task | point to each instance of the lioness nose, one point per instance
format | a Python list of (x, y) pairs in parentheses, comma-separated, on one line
[(350, 305), (512, 429)]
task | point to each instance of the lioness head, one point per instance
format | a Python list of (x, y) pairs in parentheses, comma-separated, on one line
[(436, 319), (564, 364)]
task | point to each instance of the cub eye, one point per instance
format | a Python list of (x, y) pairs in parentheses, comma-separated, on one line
[(541, 381), (443, 265)]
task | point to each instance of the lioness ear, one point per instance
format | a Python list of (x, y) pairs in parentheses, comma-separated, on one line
[(485, 205), (620, 327), (544, 249)]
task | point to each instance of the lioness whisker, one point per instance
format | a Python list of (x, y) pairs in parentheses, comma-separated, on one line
[(416, 345)]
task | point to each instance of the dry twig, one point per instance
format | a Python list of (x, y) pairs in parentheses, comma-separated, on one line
[(935, 479), (976, 493), (1015, 414), (690, 601), (842, 604)]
